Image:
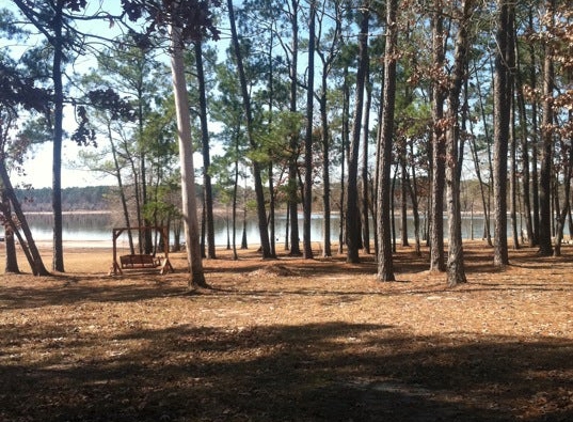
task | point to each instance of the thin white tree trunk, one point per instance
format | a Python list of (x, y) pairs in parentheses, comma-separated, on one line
[(189, 202)]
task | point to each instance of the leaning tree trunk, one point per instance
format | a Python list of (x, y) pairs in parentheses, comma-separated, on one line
[(259, 191), (485, 198), (27, 243), (384, 233), (122, 193), (189, 202)]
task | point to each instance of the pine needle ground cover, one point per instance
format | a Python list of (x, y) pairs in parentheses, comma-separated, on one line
[(289, 340)]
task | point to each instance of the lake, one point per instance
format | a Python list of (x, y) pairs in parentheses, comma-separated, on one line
[(98, 227)]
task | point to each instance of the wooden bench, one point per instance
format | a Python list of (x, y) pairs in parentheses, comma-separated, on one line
[(139, 261)]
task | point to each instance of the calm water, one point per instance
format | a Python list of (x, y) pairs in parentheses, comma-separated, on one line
[(98, 227)]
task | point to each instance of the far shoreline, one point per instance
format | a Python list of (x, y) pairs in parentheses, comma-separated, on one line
[(70, 212)]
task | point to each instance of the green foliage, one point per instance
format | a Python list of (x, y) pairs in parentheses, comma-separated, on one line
[(17, 89)]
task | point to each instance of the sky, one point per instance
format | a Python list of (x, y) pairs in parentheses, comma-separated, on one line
[(39, 169), (38, 165)]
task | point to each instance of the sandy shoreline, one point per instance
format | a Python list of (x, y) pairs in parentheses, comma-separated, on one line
[(44, 245)]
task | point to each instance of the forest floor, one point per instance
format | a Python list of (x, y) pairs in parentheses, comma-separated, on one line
[(289, 340)]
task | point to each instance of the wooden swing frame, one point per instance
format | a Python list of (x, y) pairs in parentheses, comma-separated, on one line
[(141, 261)]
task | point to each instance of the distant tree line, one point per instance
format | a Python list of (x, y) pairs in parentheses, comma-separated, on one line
[(89, 198)]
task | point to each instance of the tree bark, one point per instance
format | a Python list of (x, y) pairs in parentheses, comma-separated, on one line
[(11, 264), (188, 195), (205, 152), (562, 216), (259, 192), (325, 144), (437, 259), (528, 235), (502, 113), (343, 148), (307, 246), (293, 199), (404, 200), (58, 243), (534, 134), (385, 142), (365, 202), (455, 265), (545, 245), (27, 243), (353, 234)]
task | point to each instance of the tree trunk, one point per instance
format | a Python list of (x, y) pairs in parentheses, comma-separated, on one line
[(272, 196), (27, 243), (545, 175), (502, 113), (188, 195), (568, 172), (307, 245), (235, 194), (486, 198), (365, 147), (404, 200), (293, 198), (11, 256), (325, 142), (533, 133), (205, 150), (343, 148), (455, 266), (513, 178), (353, 233), (437, 260), (385, 261), (58, 243), (122, 196), (525, 151), (259, 192), (413, 188)]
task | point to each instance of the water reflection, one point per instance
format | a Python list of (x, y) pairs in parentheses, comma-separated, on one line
[(98, 227)]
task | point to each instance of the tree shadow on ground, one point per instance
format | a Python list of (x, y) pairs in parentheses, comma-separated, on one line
[(314, 372)]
